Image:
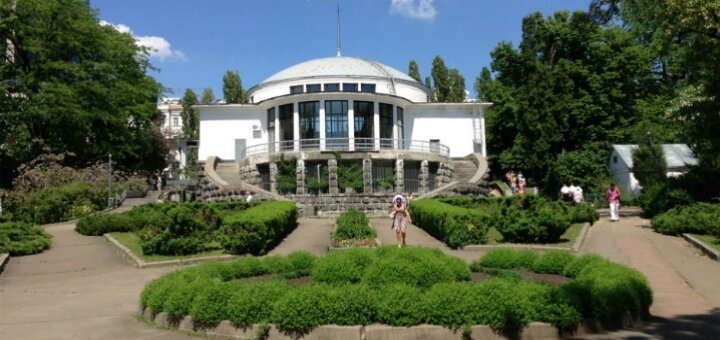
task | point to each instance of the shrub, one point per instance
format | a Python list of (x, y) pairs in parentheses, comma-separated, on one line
[(210, 305), (397, 305), (253, 303), (256, 230), (419, 267), (18, 238), (552, 262), (99, 224), (453, 225), (532, 220), (575, 266), (506, 259), (179, 301), (353, 225), (61, 203), (352, 305), (342, 267), (699, 218), (350, 176), (303, 309), (582, 213), (661, 197), (301, 264)]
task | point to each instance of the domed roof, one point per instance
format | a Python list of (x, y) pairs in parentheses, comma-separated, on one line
[(338, 67)]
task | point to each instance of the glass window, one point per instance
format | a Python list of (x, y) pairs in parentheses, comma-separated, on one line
[(286, 125), (334, 87), (296, 89), (370, 88), (271, 128), (309, 122), (401, 131), (350, 87), (312, 88), (363, 123), (336, 123), (386, 125), (176, 121)]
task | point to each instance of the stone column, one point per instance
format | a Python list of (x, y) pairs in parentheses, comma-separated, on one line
[(399, 175), (332, 177), (300, 177), (273, 177), (367, 175), (423, 176)]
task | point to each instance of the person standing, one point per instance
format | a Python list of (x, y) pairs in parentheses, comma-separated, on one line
[(249, 197), (565, 193), (578, 195), (613, 197), (400, 217), (521, 183)]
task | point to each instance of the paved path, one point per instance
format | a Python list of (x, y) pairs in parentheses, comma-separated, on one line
[(82, 289)]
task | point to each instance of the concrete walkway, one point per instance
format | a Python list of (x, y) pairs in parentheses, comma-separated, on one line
[(82, 289)]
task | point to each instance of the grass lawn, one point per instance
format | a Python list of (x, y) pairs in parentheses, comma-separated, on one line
[(566, 240), (132, 242), (709, 240)]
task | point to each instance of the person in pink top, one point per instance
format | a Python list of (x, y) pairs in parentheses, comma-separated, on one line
[(613, 198)]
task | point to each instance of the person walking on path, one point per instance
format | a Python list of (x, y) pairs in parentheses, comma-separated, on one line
[(400, 217), (613, 197)]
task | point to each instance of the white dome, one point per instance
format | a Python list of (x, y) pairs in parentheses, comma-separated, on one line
[(338, 67)]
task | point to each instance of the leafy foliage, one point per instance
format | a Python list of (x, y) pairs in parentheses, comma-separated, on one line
[(350, 176), (453, 225), (190, 117), (699, 218), (353, 225), (232, 88), (258, 229), (649, 165), (286, 176), (18, 238), (69, 70)]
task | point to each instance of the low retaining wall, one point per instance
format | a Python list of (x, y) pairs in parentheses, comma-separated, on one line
[(225, 329), (4, 259), (575, 247), (332, 205), (707, 250), (138, 262)]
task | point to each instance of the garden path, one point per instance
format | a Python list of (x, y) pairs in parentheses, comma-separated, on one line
[(311, 234), (684, 282)]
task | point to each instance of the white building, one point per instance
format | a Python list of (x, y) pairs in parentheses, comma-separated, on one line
[(358, 107), (353, 102), (171, 129), (677, 156)]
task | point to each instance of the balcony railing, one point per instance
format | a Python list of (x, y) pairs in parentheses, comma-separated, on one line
[(347, 144)]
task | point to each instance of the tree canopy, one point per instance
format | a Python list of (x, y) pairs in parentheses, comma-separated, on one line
[(208, 97), (414, 71), (190, 116), (72, 84), (233, 89)]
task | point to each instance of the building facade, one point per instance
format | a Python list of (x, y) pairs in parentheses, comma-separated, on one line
[(678, 158), (352, 107)]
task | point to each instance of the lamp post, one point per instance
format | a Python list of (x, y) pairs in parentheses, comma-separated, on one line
[(110, 200)]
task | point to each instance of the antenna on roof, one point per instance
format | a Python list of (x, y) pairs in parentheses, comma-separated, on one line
[(338, 30)]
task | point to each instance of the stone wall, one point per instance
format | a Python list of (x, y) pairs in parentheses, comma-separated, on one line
[(336, 204), (444, 174), (250, 174), (208, 191)]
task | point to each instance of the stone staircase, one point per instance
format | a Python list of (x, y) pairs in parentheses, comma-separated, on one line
[(465, 169), (469, 178), (229, 172)]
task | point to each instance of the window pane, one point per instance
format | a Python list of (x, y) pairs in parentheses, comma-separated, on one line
[(335, 87), (400, 120), (363, 119), (336, 123), (367, 88), (296, 89), (286, 122), (271, 129), (313, 88), (386, 124), (309, 122), (350, 87)]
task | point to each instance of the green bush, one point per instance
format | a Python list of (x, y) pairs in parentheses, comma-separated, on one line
[(584, 213), (552, 262), (343, 267), (661, 197), (353, 225), (352, 305), (210, 304), (579, 263), (699, 218), (350, 176), (303, 309), (419, 267), (99, 224), (61, 203), (253, 303), (301, 264), (453, 225), (506, 259), (256, 230), (532, 219), (18, 238), (399, 305)]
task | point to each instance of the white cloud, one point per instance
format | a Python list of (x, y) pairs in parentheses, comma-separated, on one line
[(157, 47), (415, 9)]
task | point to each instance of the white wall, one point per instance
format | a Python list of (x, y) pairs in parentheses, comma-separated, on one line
[(220, 126), (452, 125), (623, 176)]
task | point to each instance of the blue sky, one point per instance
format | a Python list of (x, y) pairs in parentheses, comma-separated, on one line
[(197, 41)]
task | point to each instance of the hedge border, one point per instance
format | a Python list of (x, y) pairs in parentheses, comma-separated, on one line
[(225, 329), (378, 244), (140, 263), (704, 248), (528, 246)]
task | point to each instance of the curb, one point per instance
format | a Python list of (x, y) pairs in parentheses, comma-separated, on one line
[(575, 247), (708, 251), (139, 263), (4, 260), (225, 329)]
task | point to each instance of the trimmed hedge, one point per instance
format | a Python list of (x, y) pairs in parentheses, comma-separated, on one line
[(62, 203), (353, 225), (258, 229), (456, 226), (211, 292), (19, 238), (699, 218)]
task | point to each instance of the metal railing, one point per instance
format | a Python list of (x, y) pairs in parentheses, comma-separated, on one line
[(347, 144)]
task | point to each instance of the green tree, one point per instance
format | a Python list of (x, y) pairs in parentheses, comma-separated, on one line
[(456, 92), (414, 71), (441, 79), (207, 97), (483, 84), (649, 166), (232, 88), (74, 85), (190, 116)]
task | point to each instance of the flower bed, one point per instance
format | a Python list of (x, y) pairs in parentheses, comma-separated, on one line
[(353, 229), (177, 229), (18, 238), (399, 287)]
